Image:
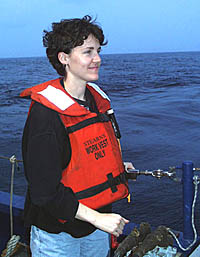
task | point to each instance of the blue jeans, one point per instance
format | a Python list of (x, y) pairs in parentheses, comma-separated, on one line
[(44, 244)]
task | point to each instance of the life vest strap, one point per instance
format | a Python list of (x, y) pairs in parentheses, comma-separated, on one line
[(101, 117), (111, 183)]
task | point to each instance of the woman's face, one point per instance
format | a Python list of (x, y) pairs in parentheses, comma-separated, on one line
[(84, 61)]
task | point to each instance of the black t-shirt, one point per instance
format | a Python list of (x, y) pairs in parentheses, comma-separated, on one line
[(46, 152)]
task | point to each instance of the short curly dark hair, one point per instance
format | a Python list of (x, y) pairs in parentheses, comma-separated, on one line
[(66, 35)]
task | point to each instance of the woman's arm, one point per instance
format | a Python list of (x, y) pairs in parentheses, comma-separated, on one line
[(108, 222), (42, 155)]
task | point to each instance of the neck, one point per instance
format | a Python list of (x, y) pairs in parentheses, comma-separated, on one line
[(76, 90)]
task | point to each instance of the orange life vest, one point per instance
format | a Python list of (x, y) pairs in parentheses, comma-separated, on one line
[(96, 170)]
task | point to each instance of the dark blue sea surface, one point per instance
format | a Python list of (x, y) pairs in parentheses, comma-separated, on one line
[(156, 98)]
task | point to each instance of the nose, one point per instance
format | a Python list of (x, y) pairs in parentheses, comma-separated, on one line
[(97, 58)]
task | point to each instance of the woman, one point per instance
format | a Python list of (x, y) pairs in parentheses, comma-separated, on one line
[(71, 154)]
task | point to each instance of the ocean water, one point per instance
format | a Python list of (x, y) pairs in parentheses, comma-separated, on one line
[(156, 98)]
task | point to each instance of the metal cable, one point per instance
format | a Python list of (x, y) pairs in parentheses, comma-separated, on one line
[(13, 161), (196, 182), (14, 239), (8, 158)]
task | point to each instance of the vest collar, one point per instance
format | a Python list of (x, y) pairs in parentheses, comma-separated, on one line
[(54, 96)]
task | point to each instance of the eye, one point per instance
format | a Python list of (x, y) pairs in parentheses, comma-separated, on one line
[(88, 51)]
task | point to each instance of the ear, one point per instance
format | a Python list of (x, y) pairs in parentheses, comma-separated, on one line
[(63, 58)]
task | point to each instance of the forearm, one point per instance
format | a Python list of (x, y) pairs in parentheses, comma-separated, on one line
[(87, 214), (108, 222)]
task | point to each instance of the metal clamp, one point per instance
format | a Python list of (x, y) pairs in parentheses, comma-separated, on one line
[(133, 173)]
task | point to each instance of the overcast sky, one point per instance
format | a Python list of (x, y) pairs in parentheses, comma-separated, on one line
[(131, 26)]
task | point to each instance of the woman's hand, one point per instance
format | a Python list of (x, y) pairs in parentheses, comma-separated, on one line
[(128, 165), (111, 223), (108, 222)]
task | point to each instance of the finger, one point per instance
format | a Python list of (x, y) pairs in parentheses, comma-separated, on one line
[(121, 226), (117, 233), (120, 231), (128, 165), (126, 221), (123, 223)]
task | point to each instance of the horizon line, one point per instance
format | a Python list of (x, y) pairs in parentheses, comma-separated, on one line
[(44, 56)]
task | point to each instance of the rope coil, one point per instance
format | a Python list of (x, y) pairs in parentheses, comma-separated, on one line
[(11, 245)]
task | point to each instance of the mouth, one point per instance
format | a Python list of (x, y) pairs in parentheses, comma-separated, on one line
[(94, 68)]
